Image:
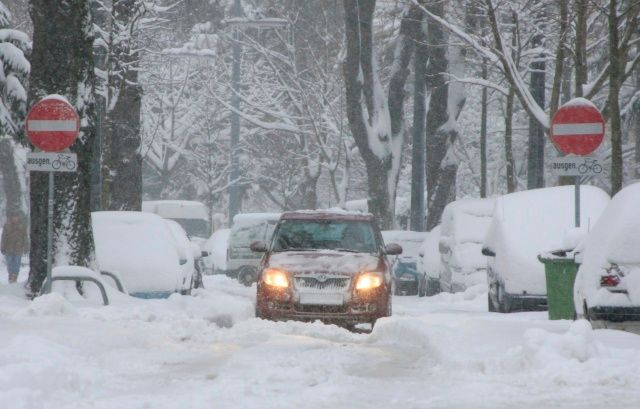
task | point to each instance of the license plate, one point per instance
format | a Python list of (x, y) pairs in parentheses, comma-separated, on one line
[(321, 299)]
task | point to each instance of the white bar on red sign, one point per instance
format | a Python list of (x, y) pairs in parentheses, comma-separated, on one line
[(44, 125), (596, 128)]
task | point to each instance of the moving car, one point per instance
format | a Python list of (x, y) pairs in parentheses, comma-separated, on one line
[(141, 250), (464, 226), (324, 265), (429, 261), (408, 280), (607, 286), (191, 215), (242, 263), (526, 224)]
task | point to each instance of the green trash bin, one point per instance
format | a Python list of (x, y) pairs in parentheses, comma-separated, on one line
[(560, 272)]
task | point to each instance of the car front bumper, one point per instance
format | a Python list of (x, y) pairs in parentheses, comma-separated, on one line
[(280, 305)]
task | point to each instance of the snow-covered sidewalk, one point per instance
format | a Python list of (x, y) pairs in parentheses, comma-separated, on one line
[(207, 351)]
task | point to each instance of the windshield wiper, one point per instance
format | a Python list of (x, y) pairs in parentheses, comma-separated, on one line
[(348, 250)]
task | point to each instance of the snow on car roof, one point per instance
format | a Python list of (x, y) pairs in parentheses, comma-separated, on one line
[(330, 214), (250, 219), (176, 209)]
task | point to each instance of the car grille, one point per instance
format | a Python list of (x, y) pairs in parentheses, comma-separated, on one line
[(329, 284)]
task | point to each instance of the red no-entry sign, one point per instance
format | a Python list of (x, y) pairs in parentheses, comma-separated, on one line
[(577, 127), (52, 124)]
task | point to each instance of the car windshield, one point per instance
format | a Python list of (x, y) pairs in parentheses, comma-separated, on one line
[(341, 235)]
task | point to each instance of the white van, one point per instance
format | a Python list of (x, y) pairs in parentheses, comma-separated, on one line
[(192, 216), (247, 228), (524, 225), (464, 226)]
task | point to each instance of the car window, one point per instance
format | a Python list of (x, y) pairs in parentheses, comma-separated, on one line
[(354, 236)]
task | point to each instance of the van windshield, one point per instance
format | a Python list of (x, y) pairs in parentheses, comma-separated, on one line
[(341, 235), (194, 227)]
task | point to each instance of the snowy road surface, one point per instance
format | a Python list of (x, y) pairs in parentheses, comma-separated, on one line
[(207, 351)]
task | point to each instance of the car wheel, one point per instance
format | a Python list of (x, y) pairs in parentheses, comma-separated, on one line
[(247, 275), (491, 305), (503, 305)]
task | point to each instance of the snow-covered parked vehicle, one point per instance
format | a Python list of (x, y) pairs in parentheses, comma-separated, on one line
[(324, 265), (464, 226), (429, 261), (524, 225), (191, 215), (247, 228), (141, 250), (216, 261), (191, 252), (607, 287), (407, 278)]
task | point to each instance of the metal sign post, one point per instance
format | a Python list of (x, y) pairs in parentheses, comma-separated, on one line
[(52, 126), (577, 128), (47, 288), (51, 162)]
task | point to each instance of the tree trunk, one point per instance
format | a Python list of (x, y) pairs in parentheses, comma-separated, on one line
[(508, 141), (535, 158), (10, 178), (581, 10), (62, 63), (440, 183), (616, 72), (418, 149), (377, 125), (483, 133)]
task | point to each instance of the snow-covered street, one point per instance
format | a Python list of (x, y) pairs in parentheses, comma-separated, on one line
[(207, 351)]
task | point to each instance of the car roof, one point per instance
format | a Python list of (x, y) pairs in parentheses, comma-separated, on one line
[(327, 215)]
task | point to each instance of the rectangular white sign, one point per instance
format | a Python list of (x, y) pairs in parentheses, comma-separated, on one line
[(52, 125), (52, 162), (575, 166), (578, 129)]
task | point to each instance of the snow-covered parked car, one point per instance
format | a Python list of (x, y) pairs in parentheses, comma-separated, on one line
[(216, 246), (192, 275), (242, 263), (141, 250), (464, 226), (325, 265), (407, 278), (524, 225), (607, 287), (429, 261)]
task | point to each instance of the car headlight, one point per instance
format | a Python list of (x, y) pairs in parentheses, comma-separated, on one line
[(367, 281), (275, 278)]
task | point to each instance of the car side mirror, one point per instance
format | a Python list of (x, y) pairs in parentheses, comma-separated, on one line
[(393, 249), (183, 261), (258, 246), (205, 253), (488, 252)]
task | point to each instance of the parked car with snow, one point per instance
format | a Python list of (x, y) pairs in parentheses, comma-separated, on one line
[(464, 226), (242, 263), (607, 287), (407, 279), (525, 224), (191, 215), (191, 252), (216, 261), (429, 261), (139, 248), (329, 266)]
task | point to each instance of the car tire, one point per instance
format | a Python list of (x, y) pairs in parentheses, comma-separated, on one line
[(247, 275), (503, 306), (431, 288), (491, 305)]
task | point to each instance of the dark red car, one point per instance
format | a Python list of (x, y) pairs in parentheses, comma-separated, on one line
[(328, 266)]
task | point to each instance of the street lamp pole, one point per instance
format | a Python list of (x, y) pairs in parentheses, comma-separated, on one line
[(235, 199)]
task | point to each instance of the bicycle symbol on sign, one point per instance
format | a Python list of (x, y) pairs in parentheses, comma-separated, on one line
[(590, 165), (64, 160)]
